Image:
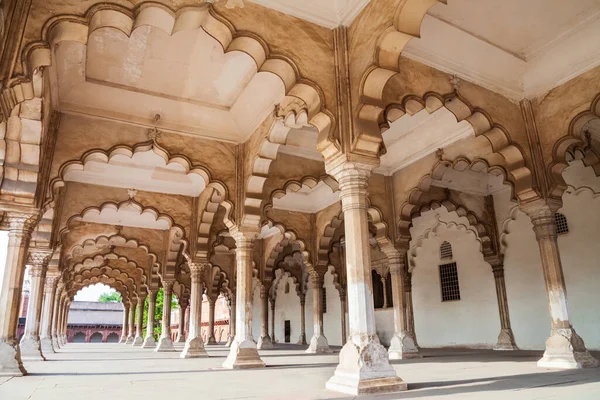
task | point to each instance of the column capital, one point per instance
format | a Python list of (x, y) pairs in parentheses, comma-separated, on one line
[(39, 259), (542, 213), (51, 281), (353, 179), (197, 270), (21, 222), (168, 284), (263, 291)]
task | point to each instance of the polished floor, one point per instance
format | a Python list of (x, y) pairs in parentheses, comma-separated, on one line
[(115, 371)]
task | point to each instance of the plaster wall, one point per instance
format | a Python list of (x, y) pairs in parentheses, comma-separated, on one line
[(472, 321)]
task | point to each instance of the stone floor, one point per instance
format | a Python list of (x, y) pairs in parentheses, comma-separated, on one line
[(115, 372)]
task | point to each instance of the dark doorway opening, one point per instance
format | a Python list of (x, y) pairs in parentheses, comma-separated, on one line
[(288, 331)]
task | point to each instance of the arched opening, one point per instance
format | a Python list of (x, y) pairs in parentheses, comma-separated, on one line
[(79, 337), (96, 337), (112, 338)]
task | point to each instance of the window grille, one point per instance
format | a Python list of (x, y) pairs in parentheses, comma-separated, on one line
[(446, 251), (449, 282), (562, 227)]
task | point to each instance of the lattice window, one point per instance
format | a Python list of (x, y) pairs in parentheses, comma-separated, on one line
[(449, 282), (324, 299), (562, 228), (446, 251)]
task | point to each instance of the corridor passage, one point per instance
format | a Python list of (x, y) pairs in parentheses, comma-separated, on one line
[(119, 372)]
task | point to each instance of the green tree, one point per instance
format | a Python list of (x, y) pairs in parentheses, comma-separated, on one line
[(110, 297)]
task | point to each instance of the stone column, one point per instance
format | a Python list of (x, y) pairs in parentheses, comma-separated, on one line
[(194, 348), (211, 322), (273, 321), (364, 366), (243, 352), (164, 342), (47, 312), (384, 283), (564, 348), (506, 339), (125, 327), (149, 341), (56, 316), (19, 234), (59, 320), (131, 323), (302, 339), (31, 348), (402, 345), (343, 306), (231, 307), (181, 332), (265, 340), (409, 312), (318, 342), (65, 322), (139, 326)]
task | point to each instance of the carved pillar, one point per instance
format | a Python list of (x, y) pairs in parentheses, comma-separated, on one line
[(194, 348), (409, 311), (318, 342), (211, 322), (164, 342), (302, 339), (59, 319), (273, 321), (506, 339), (19, 234), (31, 348), (265, 340), (364, 366), (402, 345), (65, 321), (343, 307), (131, 323), (47, 312), (243, 352), (183, 305), (56, 315), (149, 341), (139, 325), (125, 328), (564, 348), (384, 283), (231, 307)]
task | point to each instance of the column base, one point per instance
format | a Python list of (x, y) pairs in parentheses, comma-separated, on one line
[(137, 341), (10, 360), (318, 345), (123, 339), (211, 341), (229, 341), (194, 348), (264, 343), (55, 344), (129, 340), (180, 339), (149, 343), (47, 346), (243, 355), (506, 341), (365, 369), (164, 344), (302, 340), (565, 349), (31, 349), (64, 340), (402, 347)]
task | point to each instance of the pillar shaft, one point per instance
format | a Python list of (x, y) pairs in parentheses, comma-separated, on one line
[(506, 340), (564, 348), (165, 343), (31, 348), (48, 312), (194, 348), (409, 313), (343, 307), (211, 321), (125, 327), (318, 341), (302, 319), (56, 316), (131, 323), (364, 365), (273, 320), (139, 324), (231, 308), (149, 341), (243, 352), (265, 340), (181, 332), (20, 228)]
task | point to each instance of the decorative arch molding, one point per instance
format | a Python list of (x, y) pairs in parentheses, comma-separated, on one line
[(419, 195), (211, 199), (433, 232), (284, 275), (578, 139), (99, 261), (289, 237), (293, 186), (122, 290), (128, 294), (218, 282), (287, 116)]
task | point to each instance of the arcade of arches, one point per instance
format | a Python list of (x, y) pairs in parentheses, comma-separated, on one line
[(380, 175)]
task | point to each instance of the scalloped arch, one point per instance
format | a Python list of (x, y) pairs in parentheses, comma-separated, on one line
[(294, 186), (289, 237)]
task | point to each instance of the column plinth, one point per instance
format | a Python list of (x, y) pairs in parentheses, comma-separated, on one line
[(364, 365), (265, 340), (565, 349), (19, 235), (149, 341), (243, 352), (194, 348), (165, 343)]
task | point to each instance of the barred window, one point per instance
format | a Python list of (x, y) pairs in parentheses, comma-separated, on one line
[(449, 282), (562, 227), (446, 251)]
